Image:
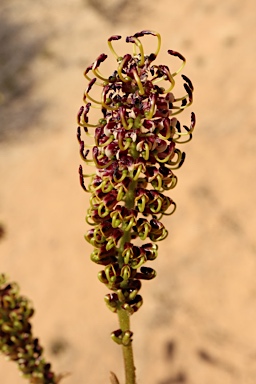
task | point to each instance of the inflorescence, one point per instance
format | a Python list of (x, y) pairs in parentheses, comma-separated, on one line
[(17, 342), (134, 154)]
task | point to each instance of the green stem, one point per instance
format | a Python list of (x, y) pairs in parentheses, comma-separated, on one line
[(129, 203), (124, 321), (123, 316)]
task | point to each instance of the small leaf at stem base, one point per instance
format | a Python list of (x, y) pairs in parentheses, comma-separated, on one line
[(113, 378)]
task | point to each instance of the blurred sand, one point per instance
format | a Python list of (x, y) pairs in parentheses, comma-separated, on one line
[(197, 324)]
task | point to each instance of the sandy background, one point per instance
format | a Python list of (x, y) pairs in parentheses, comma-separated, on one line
[(198, 321)]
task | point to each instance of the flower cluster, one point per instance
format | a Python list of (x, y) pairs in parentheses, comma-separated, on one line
[(16, 339), (134, 154)]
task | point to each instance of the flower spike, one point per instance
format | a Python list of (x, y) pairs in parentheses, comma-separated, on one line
[(17, 341), (134, 154)]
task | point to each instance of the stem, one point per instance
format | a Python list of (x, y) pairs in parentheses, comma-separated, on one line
[(129, 199), (123, 316), (124, 321), (129, 203)]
